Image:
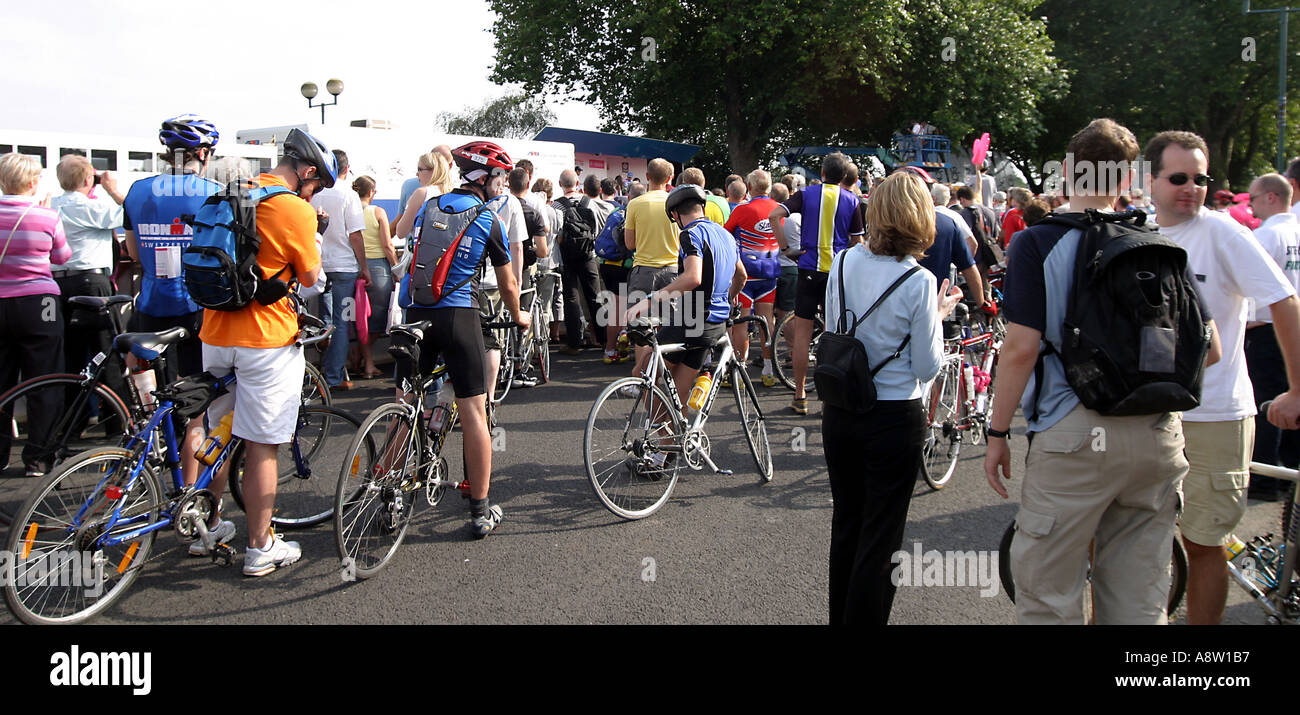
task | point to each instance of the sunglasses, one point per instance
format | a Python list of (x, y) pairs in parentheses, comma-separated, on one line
[(1180, 178), (423, 168)]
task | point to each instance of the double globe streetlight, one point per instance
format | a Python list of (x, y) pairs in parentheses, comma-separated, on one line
[(310, 90)]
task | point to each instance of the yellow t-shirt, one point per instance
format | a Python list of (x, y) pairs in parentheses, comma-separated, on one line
[(370, 237), (657, 243), (287, 225)]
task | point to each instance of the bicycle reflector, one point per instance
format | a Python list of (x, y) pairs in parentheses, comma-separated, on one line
[(356, 464), (27, 540), (130, 554), (113, 492)]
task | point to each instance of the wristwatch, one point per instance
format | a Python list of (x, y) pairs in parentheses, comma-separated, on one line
[(1004, 434)]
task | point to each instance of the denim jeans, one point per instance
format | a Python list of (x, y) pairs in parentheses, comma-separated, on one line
[(380, 290), (338, 307)]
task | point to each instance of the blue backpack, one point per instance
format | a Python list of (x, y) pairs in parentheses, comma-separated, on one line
[(220, 264), (609, 244)]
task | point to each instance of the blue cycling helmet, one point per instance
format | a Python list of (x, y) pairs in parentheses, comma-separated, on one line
[(303, 147), (188, 131)]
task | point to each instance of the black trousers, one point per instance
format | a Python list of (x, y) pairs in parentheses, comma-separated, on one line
[(1268, 377), (85, 335), (31, 345), (873, 461), (580, 279)]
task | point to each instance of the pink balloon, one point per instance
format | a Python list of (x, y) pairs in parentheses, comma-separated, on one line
[(980, 150), (1244, 216)]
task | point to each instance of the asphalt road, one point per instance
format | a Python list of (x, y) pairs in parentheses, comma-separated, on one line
[(725, 549)]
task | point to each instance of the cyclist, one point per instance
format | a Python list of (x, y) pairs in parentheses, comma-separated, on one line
[(831, 223), (709, 275), (455, 331), (750, 224), (155, 238), (257, 341)]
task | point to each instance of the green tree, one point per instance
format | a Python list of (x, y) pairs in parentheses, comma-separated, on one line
[(803, 71), (514, 116)]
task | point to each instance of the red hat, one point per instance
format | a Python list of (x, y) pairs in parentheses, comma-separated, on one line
[(925, 175), (1223, 195)]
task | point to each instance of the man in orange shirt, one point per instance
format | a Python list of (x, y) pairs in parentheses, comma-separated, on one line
[(258, 340)]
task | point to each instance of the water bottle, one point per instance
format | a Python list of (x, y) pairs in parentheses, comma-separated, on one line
[(700, 390), (1235, 547), (216, 441), (969, 373), (438, 419), (145, 383)]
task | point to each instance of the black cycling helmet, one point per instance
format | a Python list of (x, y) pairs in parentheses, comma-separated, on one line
[(188, 131), (683, 195), (303, 147)]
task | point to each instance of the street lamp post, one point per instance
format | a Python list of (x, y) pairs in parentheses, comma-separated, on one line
[(334, 87), (1284, 13)]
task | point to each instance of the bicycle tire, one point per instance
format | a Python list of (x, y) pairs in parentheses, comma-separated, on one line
[(505, 371), (751, 419), (303, 500), (614, 427), (781, 353), (315, 391), (369, 502), (58, 498), (760, 339), (73, 433), (942, 408), (544, 360), (1177, 573)]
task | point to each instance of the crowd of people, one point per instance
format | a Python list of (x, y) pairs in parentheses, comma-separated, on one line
[(884, 255)]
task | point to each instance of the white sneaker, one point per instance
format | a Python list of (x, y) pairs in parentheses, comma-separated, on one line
[(224, 531), (260, 562)]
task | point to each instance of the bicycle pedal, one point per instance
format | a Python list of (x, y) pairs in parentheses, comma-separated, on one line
[(223, 555), (463, 488)]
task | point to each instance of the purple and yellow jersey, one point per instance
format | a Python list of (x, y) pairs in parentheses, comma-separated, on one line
[(830, 216)]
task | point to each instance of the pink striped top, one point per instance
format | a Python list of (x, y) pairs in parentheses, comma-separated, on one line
[(37, 242)]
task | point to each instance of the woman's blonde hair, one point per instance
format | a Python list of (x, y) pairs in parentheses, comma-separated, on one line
[(441, 175), (900, 217), (17, 171)]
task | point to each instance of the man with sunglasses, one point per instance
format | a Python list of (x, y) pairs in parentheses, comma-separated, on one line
[(1230, 268)]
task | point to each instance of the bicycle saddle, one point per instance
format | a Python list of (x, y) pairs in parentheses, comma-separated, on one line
[(148, 346), (415, 330), (93, 302)]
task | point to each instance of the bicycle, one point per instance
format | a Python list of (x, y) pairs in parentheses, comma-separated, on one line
[(960, 399), (397, 453), (100, 511), (638, 425), (783, 351), (523, 346)]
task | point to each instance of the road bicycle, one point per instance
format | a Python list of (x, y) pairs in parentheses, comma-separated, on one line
[(959, 401), (636, 438), (100, 511), (395, 457), (522, 348), (783, 351)]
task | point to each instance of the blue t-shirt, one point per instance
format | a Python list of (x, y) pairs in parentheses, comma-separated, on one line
[(485, 237), (153, 209), (949, 249), (408, 187), (717, 249)]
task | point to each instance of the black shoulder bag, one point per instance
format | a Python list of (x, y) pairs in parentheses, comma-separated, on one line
[(844, 376)]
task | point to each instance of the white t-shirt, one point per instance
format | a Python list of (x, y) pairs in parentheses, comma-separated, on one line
[(512, 216), (1279, 236), (1230, 268), (1295, 209), (346, 216), (792, 225)]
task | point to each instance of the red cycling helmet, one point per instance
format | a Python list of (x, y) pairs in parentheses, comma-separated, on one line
[(925, 175), (482, 156)]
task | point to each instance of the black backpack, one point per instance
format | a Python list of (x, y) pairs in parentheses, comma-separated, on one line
[(578, 239), (536, 231), (1134, 340), (988, 251), (844, 376)]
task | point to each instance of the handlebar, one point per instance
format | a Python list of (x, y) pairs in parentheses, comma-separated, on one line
[(501, 325), (312, 330)]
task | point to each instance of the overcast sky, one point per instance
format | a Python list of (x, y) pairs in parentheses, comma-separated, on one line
[(121, 67)]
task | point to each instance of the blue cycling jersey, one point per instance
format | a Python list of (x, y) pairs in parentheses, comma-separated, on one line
[(153, 209), (484, 237), (717, 249)]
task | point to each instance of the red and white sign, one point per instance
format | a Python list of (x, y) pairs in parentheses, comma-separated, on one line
[(597, 163)]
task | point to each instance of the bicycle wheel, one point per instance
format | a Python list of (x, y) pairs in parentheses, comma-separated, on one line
[(1177, 581), (622, 446), (50, 418), (372, 505), (782, 352), (543, 360), (506, 372), (48, 537), (942, 438), (751, 416), (307, 467), (315, 391)]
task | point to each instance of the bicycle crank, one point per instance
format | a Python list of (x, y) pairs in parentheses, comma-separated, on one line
[(193, 514)]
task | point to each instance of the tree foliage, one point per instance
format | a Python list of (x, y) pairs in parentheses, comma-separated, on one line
[(514, 116), (743, 81)]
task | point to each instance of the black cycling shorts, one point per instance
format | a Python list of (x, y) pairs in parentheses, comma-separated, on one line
[(456, 334), (810, 294), (697, 345)]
